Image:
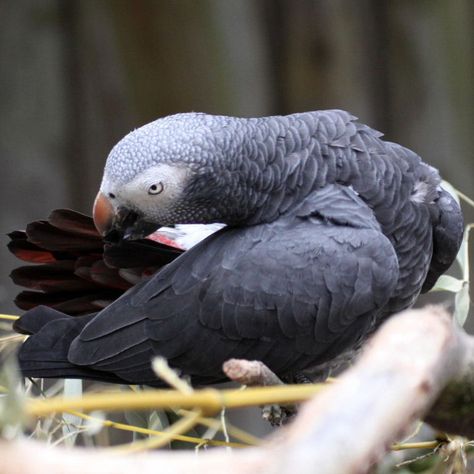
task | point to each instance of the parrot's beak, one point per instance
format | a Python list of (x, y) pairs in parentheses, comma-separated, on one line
[(103, 214), (121, 224)]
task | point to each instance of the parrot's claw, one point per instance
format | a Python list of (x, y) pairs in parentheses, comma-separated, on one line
[(278, 415)]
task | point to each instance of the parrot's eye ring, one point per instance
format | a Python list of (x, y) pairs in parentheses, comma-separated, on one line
[(156, 188)]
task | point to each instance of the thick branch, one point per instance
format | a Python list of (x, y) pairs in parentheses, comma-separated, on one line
[(419, 362), (401, 372)]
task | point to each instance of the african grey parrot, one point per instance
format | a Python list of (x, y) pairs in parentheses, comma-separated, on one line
[(329, 230)]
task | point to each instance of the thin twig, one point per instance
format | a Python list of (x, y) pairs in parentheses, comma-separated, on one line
[(210, 400), (181, 426), (148, 431), (9, 317), (165, 372), (417, 445), (235, 432)]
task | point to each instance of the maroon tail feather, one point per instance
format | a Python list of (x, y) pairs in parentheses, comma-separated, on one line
[(73, 272)]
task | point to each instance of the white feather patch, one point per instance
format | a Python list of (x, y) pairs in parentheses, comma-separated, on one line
[(185, 236)]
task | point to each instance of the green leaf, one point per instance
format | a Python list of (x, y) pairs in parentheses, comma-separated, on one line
[(448, 283), (463, 255), (451, 190), (462, 304)]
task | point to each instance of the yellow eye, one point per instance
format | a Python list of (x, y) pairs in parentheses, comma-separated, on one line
[(156, 188)]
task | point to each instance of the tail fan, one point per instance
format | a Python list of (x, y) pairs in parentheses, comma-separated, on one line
[(73, 271)]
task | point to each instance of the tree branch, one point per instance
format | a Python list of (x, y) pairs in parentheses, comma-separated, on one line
[(250, 372)]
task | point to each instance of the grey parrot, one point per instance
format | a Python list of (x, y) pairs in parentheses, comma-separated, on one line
[(329, 231)]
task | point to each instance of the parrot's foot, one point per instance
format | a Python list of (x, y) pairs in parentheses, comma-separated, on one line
[(278, 415), (255, 373)]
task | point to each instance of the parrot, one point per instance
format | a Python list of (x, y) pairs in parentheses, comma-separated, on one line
[(326, 230)]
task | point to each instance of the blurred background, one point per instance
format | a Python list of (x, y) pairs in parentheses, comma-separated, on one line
[(76, 76)]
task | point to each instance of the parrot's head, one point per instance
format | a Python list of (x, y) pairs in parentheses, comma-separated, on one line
[(168, 172)]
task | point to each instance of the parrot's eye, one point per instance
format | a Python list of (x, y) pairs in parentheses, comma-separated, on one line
[(155, 188), (111, 195)]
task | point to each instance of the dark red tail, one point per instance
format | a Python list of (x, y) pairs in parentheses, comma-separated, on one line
[(73, 271)]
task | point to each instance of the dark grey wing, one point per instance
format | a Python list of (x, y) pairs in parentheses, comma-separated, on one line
[(291, 293)]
